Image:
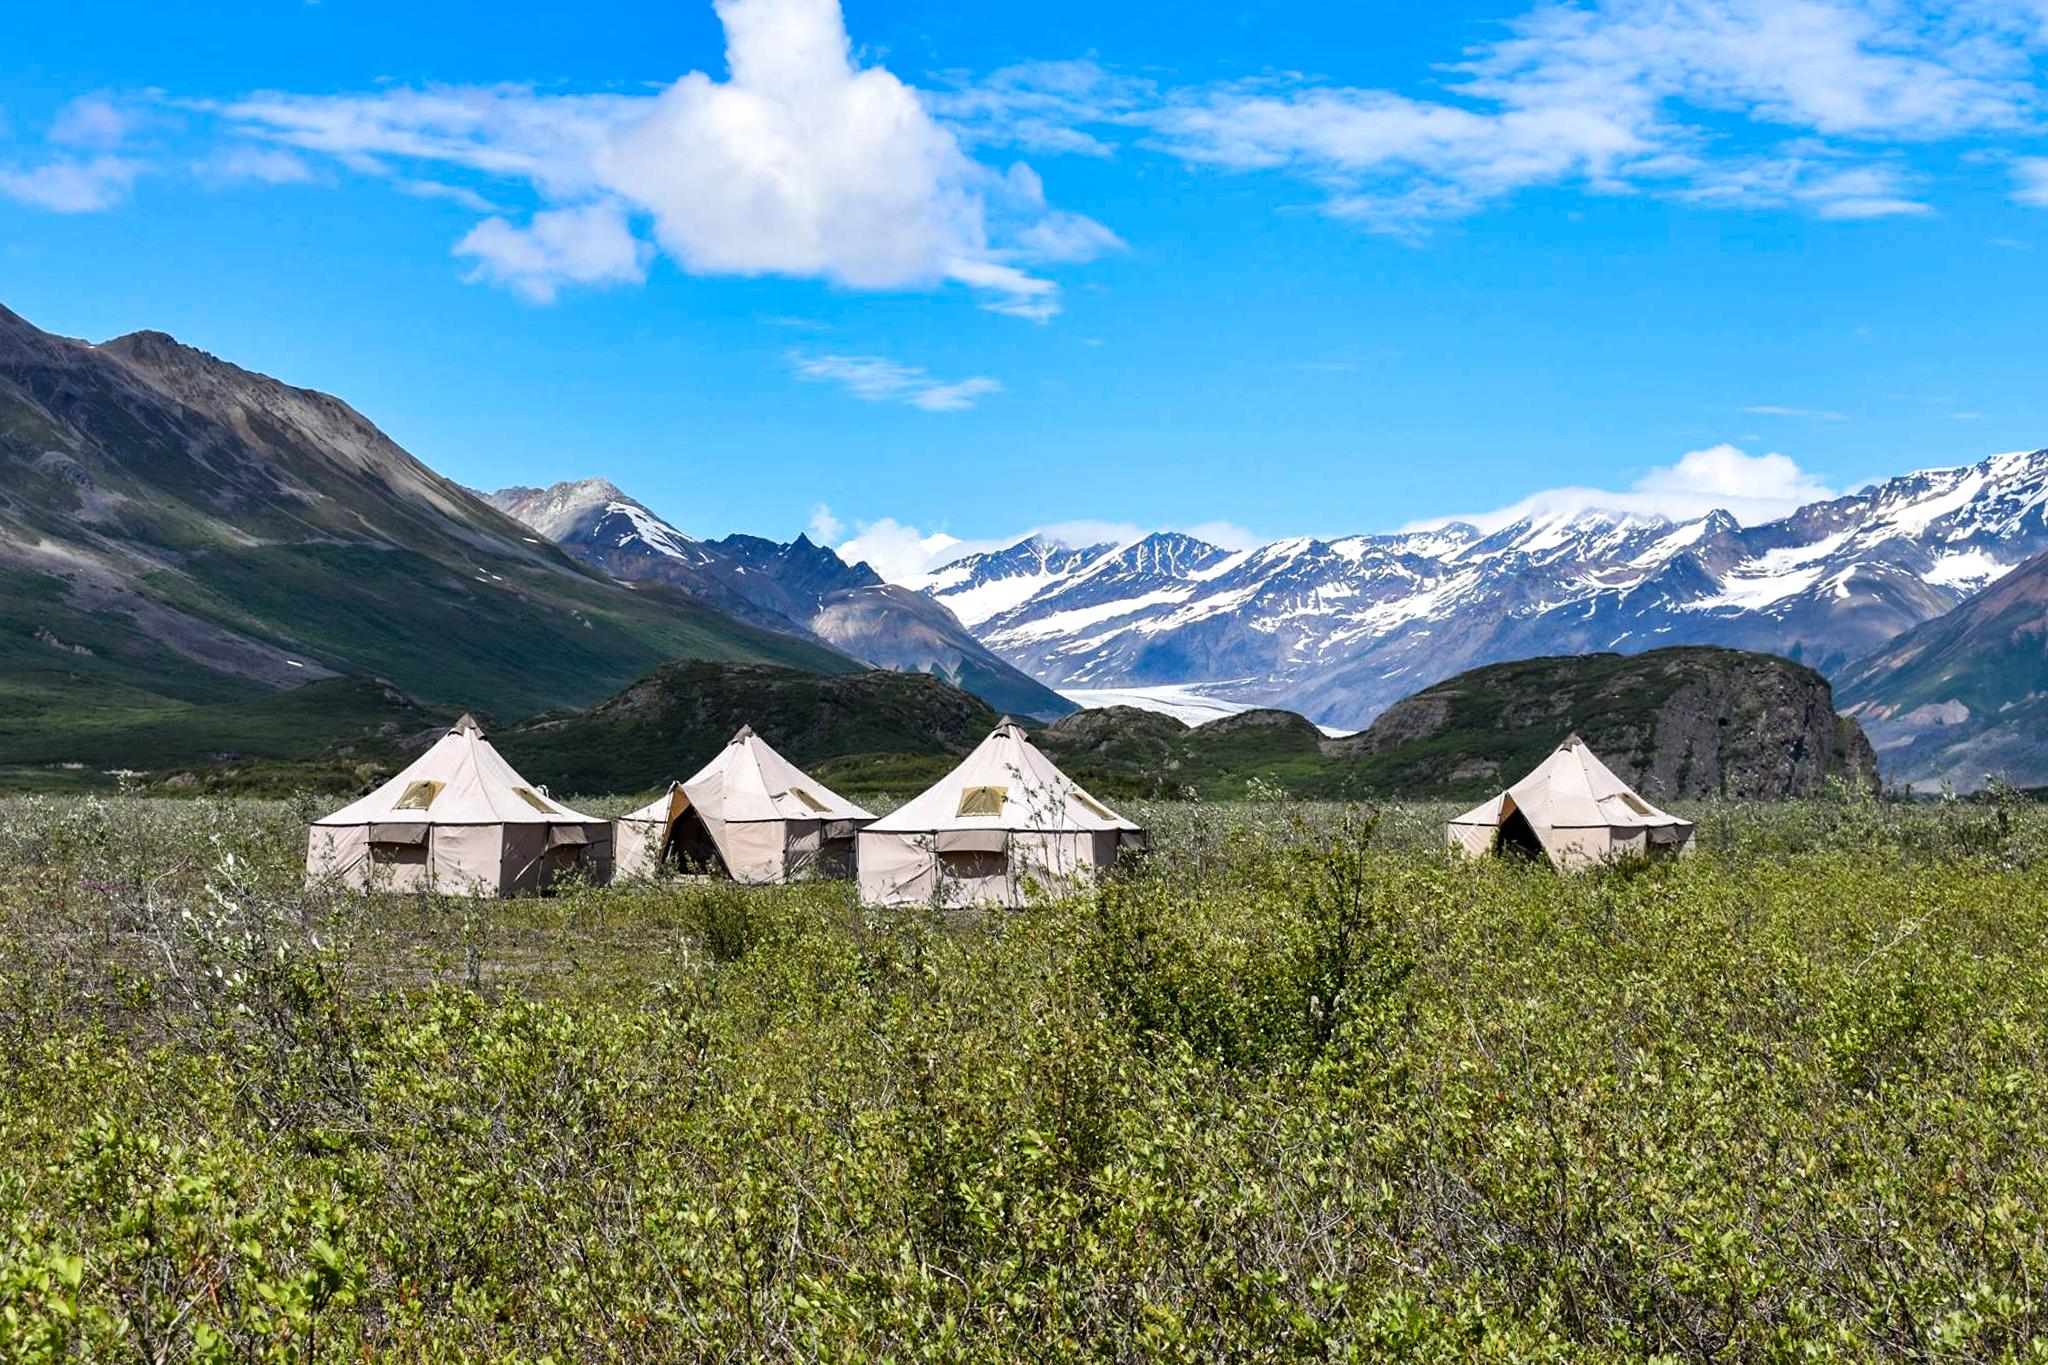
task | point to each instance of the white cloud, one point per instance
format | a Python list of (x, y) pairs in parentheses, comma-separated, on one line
[(875, 379), (2030, 182), (1750, 488), (904, 554), (72, 184), (93, 121), (589, 245), (824, 527), (800, 163)]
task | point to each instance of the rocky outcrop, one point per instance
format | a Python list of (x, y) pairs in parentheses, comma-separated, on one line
[(1676, 723)]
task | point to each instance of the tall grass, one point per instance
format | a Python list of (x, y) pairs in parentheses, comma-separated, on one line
[(1299, 1086)]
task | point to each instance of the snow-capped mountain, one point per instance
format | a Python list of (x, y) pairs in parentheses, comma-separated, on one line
[(800, 588), (1340, 629)]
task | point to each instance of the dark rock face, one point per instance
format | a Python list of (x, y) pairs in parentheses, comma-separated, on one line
[(1676, 723)]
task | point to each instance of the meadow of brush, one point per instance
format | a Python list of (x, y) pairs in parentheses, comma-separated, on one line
[(1298, 1087)]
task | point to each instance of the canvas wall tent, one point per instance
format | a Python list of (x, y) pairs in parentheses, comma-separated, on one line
[(458, 821), (750, 813), (1005, 818), (1574, 811)]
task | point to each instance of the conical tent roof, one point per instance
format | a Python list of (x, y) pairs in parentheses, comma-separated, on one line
[(1573, 789), (657, 811), (462, 780), (1005, 784), (748, 781), (1577, 810)]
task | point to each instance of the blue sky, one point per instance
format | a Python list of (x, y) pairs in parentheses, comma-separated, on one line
[(1262, 268)]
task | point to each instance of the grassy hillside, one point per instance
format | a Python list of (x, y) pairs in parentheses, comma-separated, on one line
[(335, 734), (1123, 752), (175, 530), (673, 721)]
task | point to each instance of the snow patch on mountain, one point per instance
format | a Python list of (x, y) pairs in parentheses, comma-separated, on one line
[(1339, 629)]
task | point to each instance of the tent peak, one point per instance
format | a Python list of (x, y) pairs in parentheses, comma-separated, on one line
[(467, 726), (744, 733)]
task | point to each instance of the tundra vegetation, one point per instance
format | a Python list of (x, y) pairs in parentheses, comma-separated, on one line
[(1299, 1086)]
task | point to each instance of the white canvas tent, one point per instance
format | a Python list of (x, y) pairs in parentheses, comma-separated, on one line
[(458, 821), (749, 811), (1574, 811), (1005, 818)]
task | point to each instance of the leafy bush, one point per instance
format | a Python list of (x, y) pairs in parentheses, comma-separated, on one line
[(1298, 1086)]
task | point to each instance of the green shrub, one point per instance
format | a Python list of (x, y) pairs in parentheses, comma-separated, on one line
[(1299, 1086)]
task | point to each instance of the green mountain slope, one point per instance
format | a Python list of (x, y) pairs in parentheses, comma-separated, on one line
[(174, 529), (867, 730), (1964, 697)]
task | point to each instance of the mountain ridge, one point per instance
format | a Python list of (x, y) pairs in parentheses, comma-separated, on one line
[(1963, 698), (1339, 629), (799, 587), (178, 531)]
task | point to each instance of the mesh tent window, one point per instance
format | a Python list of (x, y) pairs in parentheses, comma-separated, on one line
[(1636, 803), (418, 796), (809, 800), (972, 864), (982, 801), (534, 799)]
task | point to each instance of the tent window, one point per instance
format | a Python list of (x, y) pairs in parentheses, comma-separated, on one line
[(972, 865), (419, 795), (1636, 803), (809, 800), (534, 799), (1090, 804), (982, 801)]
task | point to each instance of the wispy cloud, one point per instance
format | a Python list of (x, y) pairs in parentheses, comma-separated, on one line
[(246, 162), (459, 195), (94, 121), (1739, 103), (84, 166), (875, 379), (68, 184), (2030, 181), (1808, 414)]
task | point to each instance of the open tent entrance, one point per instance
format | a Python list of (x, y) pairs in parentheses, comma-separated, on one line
[(690, 845), (835, 856), (1517, 836)]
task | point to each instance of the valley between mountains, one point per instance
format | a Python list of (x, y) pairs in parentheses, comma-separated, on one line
[(177, 532)]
